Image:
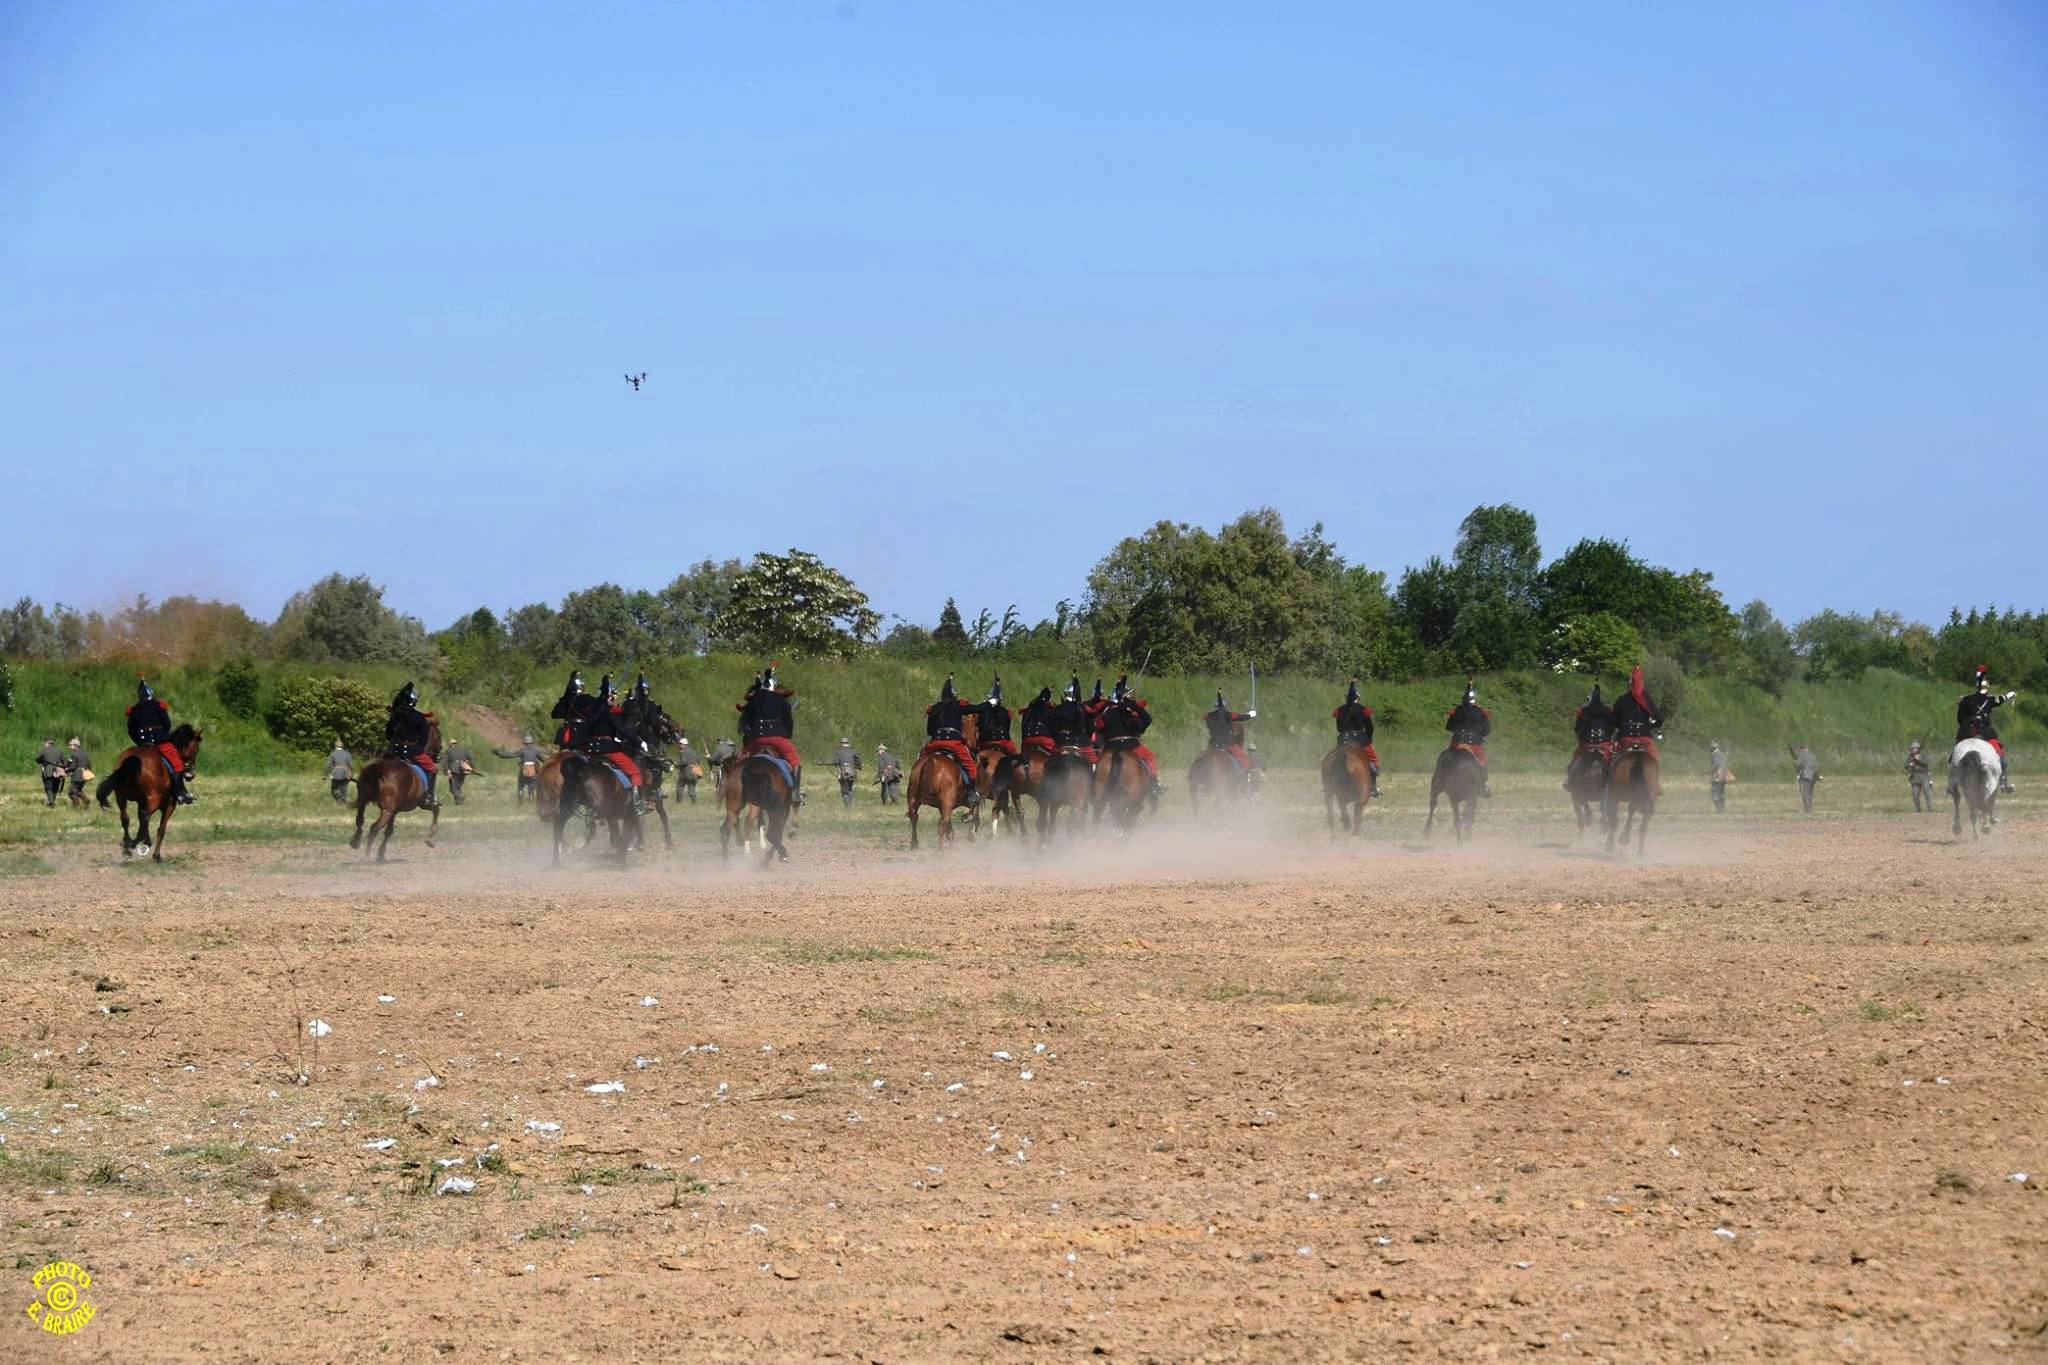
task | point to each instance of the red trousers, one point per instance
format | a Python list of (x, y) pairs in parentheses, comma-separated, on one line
[(624, 765), (774, 744), (1146, 757), (1236, 751), (1477, 751), (171, 756), (1008, 746), (956, 748), (1042, 743), (1643, 742)]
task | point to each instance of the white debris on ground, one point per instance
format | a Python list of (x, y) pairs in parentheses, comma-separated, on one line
[(381, 1144), (426, 1082), (387, 999), (457, 1184), (319, 1028), (539, 1126), (817, 1067), (606, 1088), (1729, 1233), (648, 1002)]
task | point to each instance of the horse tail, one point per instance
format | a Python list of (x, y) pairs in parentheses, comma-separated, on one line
[(130, 769), (757, 785)]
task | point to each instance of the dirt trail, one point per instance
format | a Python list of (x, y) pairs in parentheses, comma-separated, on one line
[(1765, 1096)]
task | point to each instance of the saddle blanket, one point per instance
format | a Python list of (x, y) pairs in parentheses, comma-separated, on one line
[(788, 777)]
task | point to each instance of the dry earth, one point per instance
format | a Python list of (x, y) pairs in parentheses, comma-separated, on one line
[(1766, 1096)]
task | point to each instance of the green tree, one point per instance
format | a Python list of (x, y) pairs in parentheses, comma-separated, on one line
[(344, 620), (796, 604), (1426, 602), (531, 629), (1600, 644), (691, 602), (310, 713), (602, 626), (6, 687), (1767, 648), (951, 631), (239, 687), (1497, 554)]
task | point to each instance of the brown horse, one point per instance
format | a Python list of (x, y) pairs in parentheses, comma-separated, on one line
[(1458, 778), (757, 799), (1216, 772), (1585, 777), (592, 785), (1347, 787), (937, 781), (141, 775), (1634, 779), (1009, 780), (1064, 785), (392, 785), (1122, 787)]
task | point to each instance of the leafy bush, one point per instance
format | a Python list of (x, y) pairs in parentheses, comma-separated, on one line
[(1600, 644), (239, 687), (310, 713)]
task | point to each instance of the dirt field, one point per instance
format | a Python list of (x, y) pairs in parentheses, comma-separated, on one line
[(1202, 1097)]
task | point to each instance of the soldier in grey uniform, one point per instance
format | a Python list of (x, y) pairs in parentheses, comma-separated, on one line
[(529, 758), (51, 761), (77, 765), (341, 766), (1807, 769), (888, 772), (689, 768), (1717, 776), (847, 764), (1920, 777), (458, 763), (721, 753)]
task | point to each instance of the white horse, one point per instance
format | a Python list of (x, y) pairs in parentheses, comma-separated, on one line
[(1973, 772)]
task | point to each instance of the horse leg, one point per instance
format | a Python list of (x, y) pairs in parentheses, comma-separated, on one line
[(1330, 814), (667, 840), (390, 824), (912, 815), (1643, 834), (128, 844), (163, 821), (356, 840), (1429, 825), (434, 827)]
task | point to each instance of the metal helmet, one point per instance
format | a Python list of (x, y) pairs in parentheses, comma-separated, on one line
[(1221, 705), (142, 692), (408, 695), (1121, 690), (605, 690), (1983, 678), (1593, 697), (1471, 692), (1073, 692), (1351, 693), (1098, 691), (995, 690), (1914, 746), (526, 738), (576, 683), (640, 687), (768, 676), (946, 689), (1044, 694)]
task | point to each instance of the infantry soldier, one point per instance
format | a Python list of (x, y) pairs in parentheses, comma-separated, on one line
[(460, 763), (1973, 721), (722, 753), (341, 766), (1806, 768), (1919, 777), (1717, 776), (78, 765), (51, 761), (888, 773), (529, 758), (847, 762), (689, 767)]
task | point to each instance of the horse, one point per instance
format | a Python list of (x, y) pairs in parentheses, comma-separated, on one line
[(1974, 768), (143, 776), (1122, 786), (392, 785), (1012, 778), (661, 730), (1347, 787), (1458, 778), (937, 780), (591, 784), (1632, 778), (1216, 771), (988, 762), (757, 798), (1586, 777)]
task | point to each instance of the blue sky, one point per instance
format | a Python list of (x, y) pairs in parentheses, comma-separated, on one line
[(310, 287)]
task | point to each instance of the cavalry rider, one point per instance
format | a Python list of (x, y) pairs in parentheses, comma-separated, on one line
[(643, 714), (1973, 721), (1593, 723), (1124, 722), (1354, 727), (406, 738), (612, 733), (1095, 706), (1470, 724), (575, 710), (944, 736), (1224, 733), (149, 725), (1073, 724), (767, 722), (1036, 720), (992, 721), (1636, 717)]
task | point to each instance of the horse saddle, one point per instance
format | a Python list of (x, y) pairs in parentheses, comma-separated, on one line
[(788, 777)]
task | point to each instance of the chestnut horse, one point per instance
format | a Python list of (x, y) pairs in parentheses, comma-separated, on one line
[(936, 781), (1634, 779), (1586, 777), (590, 784), (1458, 778), (392, 785), (1122, 786), (1347, 787), (1008, 781), (757, 799), (141, 775)]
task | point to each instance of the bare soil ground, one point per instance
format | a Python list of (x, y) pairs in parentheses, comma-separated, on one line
[(1200, 1097)]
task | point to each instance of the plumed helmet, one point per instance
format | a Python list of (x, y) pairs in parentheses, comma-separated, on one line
[(1471, 692), (605, 690), (1983, 678), (1098, 691), (576, 683), (640, 687), (995, 690), (1122, 688), (1593, 697), (408, 695), (1351, 692), (1073, 692), (1045, 694), (142, 692), (768, 676), (1221, 705), (946, 689)]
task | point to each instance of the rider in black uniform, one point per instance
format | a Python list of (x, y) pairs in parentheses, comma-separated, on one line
[(1469, 724), (1973, 721), (406, 737), (149, 724)]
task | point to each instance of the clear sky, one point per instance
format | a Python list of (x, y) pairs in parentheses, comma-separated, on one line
[(956, 294)]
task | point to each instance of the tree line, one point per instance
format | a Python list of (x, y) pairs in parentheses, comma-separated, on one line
[(1172, 599)]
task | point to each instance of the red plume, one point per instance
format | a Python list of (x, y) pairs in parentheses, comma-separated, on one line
[(1635, 687)]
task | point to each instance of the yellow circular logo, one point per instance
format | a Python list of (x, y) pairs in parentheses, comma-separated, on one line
[(61, 1306)]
